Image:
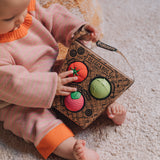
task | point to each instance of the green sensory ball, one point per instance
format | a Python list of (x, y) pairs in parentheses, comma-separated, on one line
[(100, 88)]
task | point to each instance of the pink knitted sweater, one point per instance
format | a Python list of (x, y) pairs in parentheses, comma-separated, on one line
[(28, 53)]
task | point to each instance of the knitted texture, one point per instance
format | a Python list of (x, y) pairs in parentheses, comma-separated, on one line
[(100, 88), (72, 103), (79, 70)]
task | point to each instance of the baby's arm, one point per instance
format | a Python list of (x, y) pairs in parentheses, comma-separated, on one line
[(21, 87), (63, 24), (59, 21)]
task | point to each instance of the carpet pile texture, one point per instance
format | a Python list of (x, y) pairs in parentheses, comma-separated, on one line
[(132, 26)]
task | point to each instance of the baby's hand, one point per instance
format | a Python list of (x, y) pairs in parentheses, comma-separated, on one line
[(93, 33), (62, 80)]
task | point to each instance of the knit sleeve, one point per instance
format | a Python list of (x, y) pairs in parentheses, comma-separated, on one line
[(21, 87), (59, 21)]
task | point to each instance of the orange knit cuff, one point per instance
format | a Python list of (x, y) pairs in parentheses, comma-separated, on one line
[(52, 140), (32, 5)]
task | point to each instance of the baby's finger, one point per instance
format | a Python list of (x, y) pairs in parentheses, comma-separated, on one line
[(68, 80), (69, 89), (65, 74), (89, 28), (95, 37), (63, 93)]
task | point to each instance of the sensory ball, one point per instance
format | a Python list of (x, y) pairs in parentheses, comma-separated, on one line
[(100, 88), (79, 70), (74, 102)]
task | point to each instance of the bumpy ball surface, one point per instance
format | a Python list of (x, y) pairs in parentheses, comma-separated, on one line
[(79, 69), (100, 88), (74, 102)]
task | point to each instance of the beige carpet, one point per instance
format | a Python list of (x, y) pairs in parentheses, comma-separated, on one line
[(133, 26)]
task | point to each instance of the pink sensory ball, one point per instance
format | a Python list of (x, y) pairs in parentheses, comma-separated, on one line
[(74, 104)]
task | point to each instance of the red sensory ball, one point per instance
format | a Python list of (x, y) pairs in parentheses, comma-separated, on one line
[(79, 70)]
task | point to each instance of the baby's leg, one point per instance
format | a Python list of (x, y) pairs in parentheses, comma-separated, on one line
[(117, 113), (36, 125), (44, 130)]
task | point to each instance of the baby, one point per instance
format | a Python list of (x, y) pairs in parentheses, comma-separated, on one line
[(28, 49)]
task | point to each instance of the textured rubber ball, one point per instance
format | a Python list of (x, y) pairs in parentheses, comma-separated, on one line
[(79, 70), (74, 102), (100, 88)]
